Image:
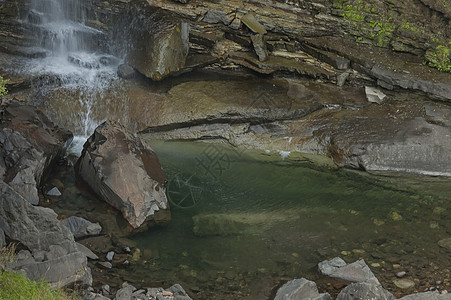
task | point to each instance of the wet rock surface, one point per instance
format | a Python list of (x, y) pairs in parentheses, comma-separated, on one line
[(158, 42), (125, 173), (30, 144)]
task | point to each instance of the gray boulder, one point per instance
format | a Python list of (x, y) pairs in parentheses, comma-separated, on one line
[(81, 227), (159, 42), (126, 173), (59, 271), (355, 272), (125, 293), (364, 290), (300, 289), (56, 256), (35, 227), (29, 145)]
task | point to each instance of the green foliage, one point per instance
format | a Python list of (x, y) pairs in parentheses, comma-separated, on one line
[(353, 12), (3, 90), (14, 286), (338, 3), (440, 58), (382, 32)]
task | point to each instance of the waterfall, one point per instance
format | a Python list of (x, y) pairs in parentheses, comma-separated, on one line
[(77, 59)]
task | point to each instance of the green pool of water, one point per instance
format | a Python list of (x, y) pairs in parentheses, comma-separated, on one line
[(243, 222)]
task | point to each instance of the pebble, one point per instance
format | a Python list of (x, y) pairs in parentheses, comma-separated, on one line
[(404, 283), (54, 192), (110, 255), (127, 250), (401, 274), (444, 292), (438, 282), (395, 216), (106, 289), (375, 265)]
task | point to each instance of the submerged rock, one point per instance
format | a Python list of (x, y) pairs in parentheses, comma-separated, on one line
[(238, 223), (126, 173), (445, 243), (404, 283), (81, 227)]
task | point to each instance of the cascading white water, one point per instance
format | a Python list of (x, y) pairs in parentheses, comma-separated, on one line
[(78, 60)]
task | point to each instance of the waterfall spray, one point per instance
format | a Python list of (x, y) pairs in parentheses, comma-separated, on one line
[(77, 59)]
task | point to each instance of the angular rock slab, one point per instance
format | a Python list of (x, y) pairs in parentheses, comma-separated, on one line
[(355, 272), (300, 289), (125, 172)]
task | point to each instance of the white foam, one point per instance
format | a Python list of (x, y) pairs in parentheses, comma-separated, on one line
[(284, 154)]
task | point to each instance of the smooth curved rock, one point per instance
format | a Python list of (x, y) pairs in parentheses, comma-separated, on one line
[(125, 172), (300, 289), (364, 290)]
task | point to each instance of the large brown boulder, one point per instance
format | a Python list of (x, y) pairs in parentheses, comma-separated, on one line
[(126, 173)]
